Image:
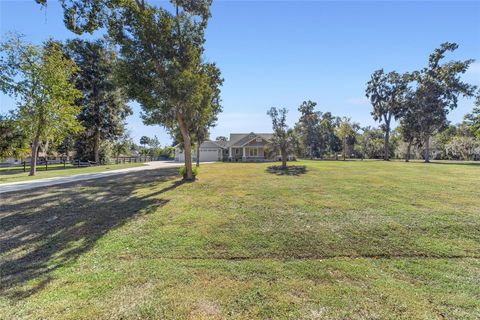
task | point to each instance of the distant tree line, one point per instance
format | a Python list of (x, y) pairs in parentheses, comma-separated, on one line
[(419, 101), (152, 147)]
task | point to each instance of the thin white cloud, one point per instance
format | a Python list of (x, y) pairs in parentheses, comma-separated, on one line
[(358, 101)]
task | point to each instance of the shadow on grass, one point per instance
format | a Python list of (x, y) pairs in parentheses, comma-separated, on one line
[(461, 163), (288, 171), (44, 229)]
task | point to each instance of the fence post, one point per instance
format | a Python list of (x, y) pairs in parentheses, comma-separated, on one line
[(46, 165), (24, 166)]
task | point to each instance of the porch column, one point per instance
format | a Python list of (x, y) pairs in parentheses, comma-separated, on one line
[(244, 157), (230, 152)]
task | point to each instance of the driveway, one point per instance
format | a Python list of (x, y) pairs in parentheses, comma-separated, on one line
[(25, 185)]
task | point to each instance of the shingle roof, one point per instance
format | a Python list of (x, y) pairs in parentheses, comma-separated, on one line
[(222, 143), (243, 138), (210, 144), (236, 140)]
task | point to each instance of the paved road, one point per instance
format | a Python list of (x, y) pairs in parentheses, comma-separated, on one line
[(25, 185)]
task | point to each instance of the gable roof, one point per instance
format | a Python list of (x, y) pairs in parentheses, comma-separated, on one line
[(222, 143), (210, 144), (236, 140), (243, 138)]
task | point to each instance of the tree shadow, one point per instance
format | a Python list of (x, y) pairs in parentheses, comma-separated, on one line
[(458, 163), (288, 171), (44, 229)]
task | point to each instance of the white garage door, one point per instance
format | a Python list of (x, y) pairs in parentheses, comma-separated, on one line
[(179, 155), (208, 154)]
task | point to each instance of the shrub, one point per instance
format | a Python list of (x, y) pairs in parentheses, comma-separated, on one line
[(183, 171)]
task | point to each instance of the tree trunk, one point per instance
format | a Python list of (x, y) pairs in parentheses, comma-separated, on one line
[(427, 148), (96, 146), (284, 159), (33, 160), (407, 156), (187, 142), (386, 151), (198, 153), (344, 149)]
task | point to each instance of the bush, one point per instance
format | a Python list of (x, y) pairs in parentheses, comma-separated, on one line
[(183, 171)]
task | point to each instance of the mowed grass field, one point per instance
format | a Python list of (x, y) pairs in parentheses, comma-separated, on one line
[(342, 240), (15, 174)]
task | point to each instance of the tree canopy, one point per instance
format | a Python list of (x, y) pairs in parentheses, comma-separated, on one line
[(41, 80), (438, 87), (283, 138), (161, 57), (308, 127), (103, 104), (387, 92), (473, 119)]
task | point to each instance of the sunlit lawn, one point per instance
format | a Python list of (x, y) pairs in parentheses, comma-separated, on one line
[(342, 240), (14, 174)]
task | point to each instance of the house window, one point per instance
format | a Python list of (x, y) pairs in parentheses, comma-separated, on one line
[(253, 152), (258, 139)]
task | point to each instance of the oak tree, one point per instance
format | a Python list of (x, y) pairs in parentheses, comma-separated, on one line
[(438, 87), (387, 92), (160, 52)]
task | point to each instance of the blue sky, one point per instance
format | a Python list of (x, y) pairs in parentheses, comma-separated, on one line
[(279, 53)]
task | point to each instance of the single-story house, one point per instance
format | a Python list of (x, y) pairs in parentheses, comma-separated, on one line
[(241, 147)]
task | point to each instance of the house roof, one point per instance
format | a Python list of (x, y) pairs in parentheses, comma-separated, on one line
[(236, 140), (239, 139), (210, 144), (222, 143)]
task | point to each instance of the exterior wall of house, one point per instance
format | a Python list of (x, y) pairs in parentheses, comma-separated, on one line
[(254, 150), (241, 147), (209, 154), (206, 154)]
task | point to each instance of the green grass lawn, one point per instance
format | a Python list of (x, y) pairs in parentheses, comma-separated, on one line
[(9, 174), (341, 240)]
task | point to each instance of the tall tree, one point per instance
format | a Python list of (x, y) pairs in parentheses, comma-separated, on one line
[(144, 140), (122, 145), (409, 134), (41, 80), (345, 130), (473, 119), (437, 91), (161, 55), (209, 107), (308, 127), (104, 103), (155, 147), (371, 143), (283, 137), (387, 93), (328, 132)]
